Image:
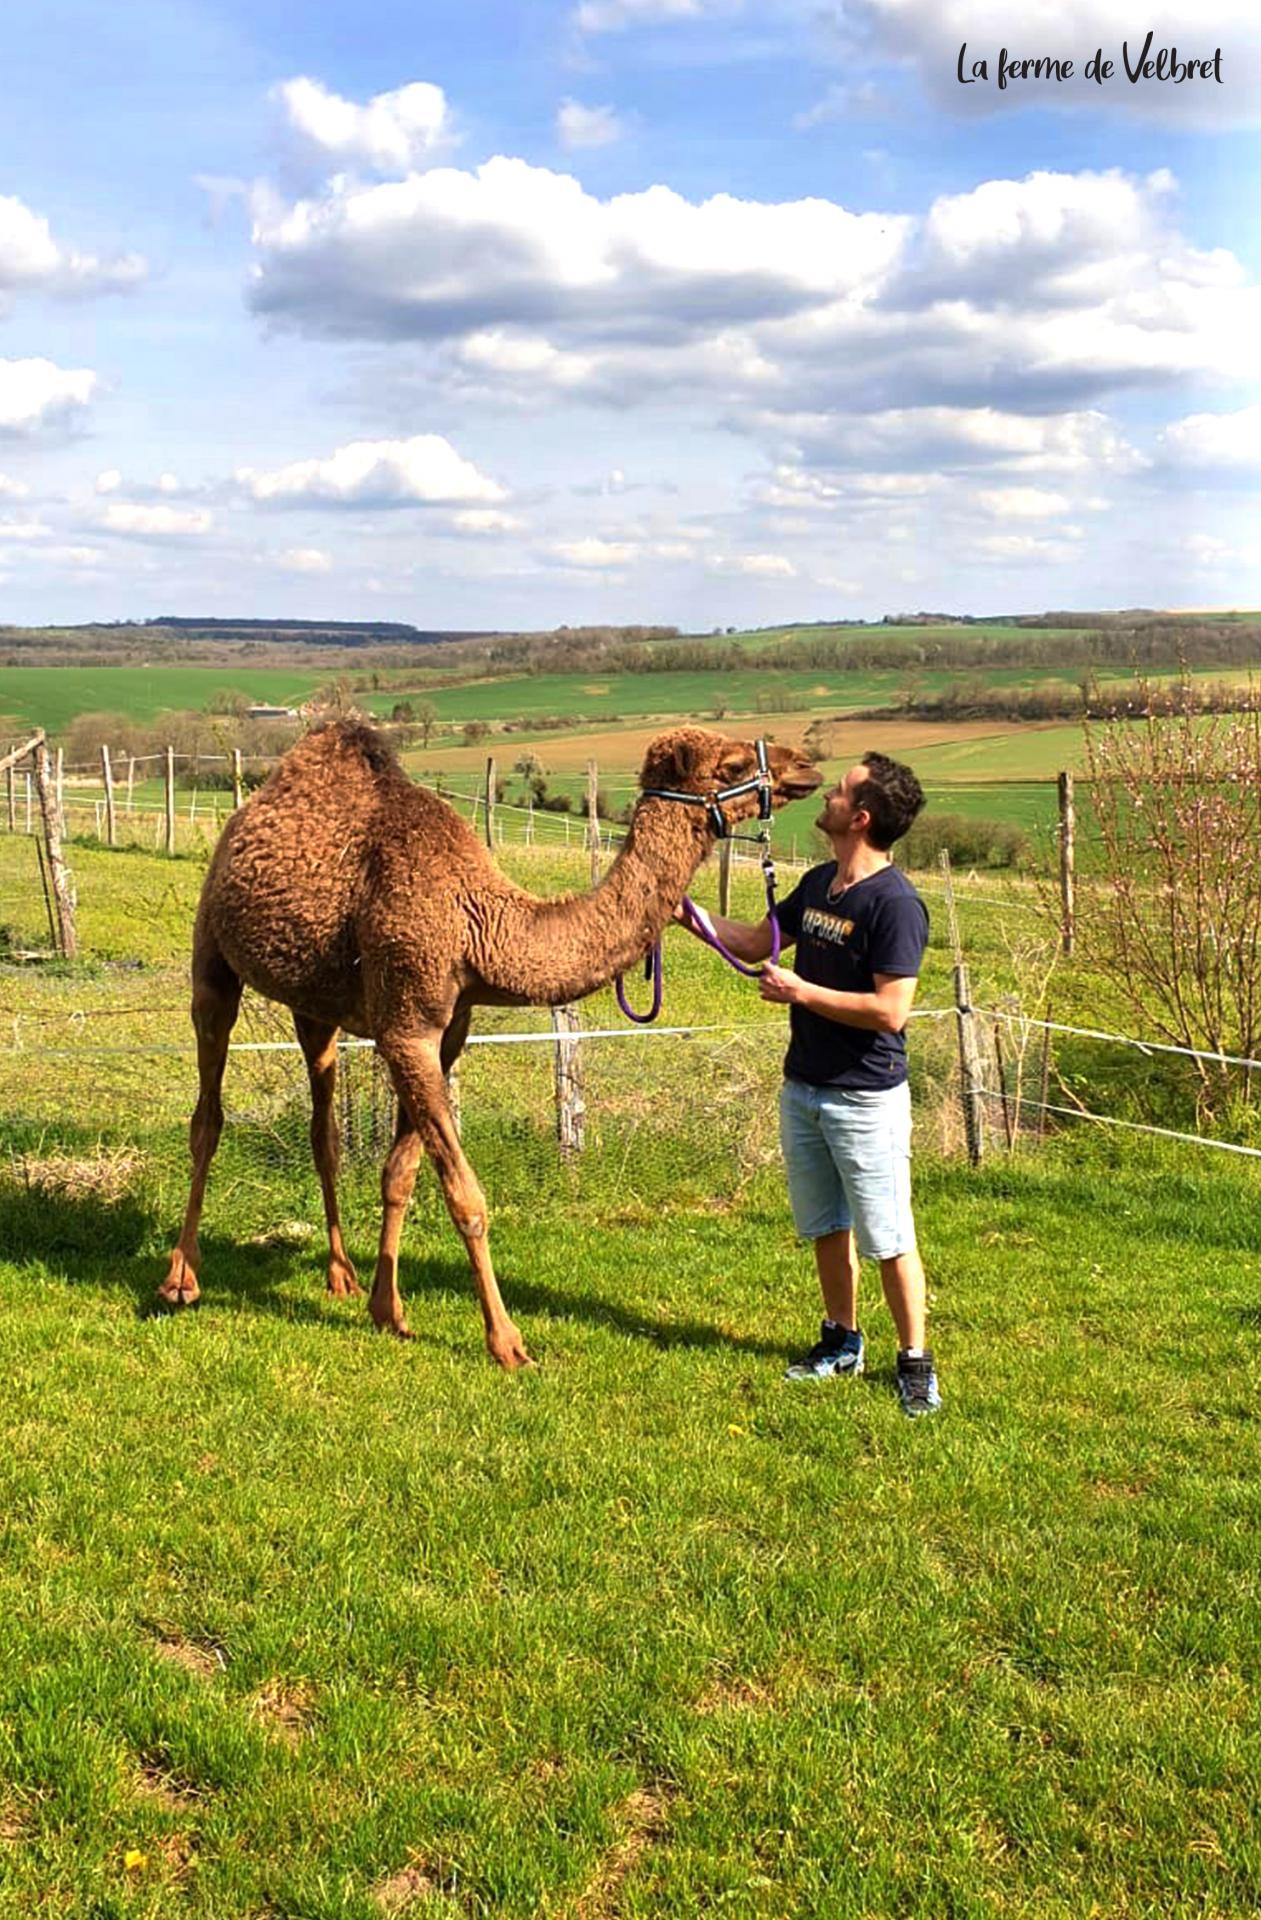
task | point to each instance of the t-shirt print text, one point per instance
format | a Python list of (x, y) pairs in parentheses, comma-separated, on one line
[(826, 926)]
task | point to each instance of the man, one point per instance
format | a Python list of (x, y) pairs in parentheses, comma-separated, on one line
[(860, 930)]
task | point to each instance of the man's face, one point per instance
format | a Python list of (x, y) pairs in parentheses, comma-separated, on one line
[(838, 814)]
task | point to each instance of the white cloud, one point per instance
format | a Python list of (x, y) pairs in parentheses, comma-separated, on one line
[(32, 261), (449, 253), (12, 489), (953, 439), (155, 522), (1033, 296), (425, 470), (579, 126), (1204, 446), (1021, 546), (593, 552), (109, 481), (36, 395), (303, 560), (484, 520), (78, 557), (1023, 503), (22, 531), (764, 566), (612, 16), (393, 132)]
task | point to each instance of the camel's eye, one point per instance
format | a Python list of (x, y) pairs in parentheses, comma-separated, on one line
[(736, 767)]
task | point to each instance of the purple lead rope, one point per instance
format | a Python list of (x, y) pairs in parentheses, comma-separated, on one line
[(699, 923), (652, 971)]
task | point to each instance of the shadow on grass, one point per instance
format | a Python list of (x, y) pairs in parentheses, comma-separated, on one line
[(103, 1244), (419, 1277)]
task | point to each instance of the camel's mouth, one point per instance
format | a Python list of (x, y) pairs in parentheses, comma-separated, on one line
[(798, 786)]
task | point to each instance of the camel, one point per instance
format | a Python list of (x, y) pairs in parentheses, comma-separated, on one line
[(364, 904)]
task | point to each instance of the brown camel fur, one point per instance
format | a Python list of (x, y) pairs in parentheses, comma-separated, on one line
[(363, 903)]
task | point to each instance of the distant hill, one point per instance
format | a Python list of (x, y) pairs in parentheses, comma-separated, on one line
[(328, 633)]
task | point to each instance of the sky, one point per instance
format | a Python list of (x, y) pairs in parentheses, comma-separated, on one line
[(691, 312)]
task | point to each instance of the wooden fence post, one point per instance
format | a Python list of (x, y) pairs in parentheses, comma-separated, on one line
[(29, 815), (238, 778), (63, 889), (724, 877), (1068, 825), (490, 800), (12, 778), (593, 820), (973, 1092), (169, 774), (107, 781), (131, 781), (571, 1107)]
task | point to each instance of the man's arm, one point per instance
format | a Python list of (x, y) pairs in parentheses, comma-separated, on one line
[(884, 1011), (749, 941)]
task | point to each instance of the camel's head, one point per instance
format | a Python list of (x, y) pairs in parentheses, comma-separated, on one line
[(709, 766)]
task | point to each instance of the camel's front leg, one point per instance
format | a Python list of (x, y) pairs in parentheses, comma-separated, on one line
[(319, 1045), (417, 1071), (216, 1001)]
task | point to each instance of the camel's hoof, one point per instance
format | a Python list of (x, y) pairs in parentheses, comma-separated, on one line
[(177, 1301), (399, 1328), (512, 1357), (343, 1281)]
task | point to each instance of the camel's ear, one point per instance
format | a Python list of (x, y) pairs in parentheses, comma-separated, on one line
[(672, 761)]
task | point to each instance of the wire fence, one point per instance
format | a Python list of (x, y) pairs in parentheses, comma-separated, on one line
[(684, 1113)]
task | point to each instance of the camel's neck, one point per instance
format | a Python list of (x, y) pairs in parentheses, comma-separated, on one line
[(564, 948)]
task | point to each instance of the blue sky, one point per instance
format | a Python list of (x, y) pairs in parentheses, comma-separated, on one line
[(676, 310)]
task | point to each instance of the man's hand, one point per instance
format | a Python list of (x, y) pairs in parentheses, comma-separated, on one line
[(781, 986)]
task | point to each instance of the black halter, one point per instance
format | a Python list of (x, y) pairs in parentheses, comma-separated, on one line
[(759, 783)]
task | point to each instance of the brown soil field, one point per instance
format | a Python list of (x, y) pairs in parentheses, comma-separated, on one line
[(620, 750)]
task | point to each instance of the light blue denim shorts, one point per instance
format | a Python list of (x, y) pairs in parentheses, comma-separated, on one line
[(847, 1152)]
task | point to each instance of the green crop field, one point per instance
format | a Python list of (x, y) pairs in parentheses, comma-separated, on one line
[(51, 697), (296, 1620)]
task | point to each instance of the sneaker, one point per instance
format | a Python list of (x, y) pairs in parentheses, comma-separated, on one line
[(837, 1351), (917, 1384)]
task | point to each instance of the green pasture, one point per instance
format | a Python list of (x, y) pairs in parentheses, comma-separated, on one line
[(299, 1621), (687, 695), (51, 697)]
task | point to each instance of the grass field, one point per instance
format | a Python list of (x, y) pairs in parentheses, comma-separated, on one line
[(302, 1623), (51, 697)]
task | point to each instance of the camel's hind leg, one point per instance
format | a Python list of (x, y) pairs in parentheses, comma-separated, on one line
[(425, 1120), (216, 1002), (319, 1045)]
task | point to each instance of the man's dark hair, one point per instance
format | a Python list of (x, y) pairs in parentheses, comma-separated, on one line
[(891, 795)]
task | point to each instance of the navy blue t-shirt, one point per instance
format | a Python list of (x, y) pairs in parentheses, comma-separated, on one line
[(844, 938)]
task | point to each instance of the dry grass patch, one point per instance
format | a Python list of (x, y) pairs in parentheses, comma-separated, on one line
[(153, 1783), (204, 1659), (285, 1711), (642, 1820), (735, 1696), (403, 1889), (13, 1823), (106, 1175)]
